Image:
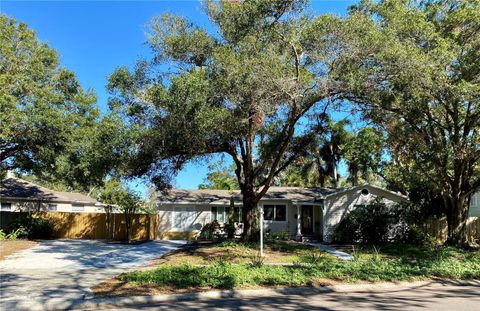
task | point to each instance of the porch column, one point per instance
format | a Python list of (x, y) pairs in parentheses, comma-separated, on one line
[(299, 224)]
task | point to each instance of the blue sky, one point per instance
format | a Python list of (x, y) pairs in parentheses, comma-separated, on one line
[(94, 37)]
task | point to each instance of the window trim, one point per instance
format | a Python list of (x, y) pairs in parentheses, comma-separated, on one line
[(225, 213), (275, 213)]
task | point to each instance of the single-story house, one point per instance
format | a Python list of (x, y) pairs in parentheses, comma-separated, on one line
[(18, 195), (296, 211)]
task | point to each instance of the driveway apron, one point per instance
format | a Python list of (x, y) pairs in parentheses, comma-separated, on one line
[(64, 270)]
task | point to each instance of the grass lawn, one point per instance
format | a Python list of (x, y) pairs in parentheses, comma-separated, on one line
[(232, 268), (8, 247)]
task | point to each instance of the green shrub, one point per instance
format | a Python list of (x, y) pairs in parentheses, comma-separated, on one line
[(365, 224), (210, 230), (3, 236), (32, 228), (278, 236), (376, 224)]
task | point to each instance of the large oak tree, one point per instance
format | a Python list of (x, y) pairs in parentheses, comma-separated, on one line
[(244, 90), (414, 68), (49, 125)]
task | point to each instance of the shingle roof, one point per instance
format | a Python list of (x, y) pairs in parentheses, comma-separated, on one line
[(223, 196), (16, 188)]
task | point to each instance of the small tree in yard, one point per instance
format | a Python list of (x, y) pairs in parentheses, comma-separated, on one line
[(128, 202), (246, 91)]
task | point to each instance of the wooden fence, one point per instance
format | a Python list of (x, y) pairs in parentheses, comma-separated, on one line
[(92, 225), (437, 227)]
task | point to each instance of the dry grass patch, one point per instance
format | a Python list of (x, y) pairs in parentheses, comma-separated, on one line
[(204, 253), (9, 247)]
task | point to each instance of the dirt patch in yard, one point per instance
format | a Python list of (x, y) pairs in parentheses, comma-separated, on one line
[(205, 253), (9, 247)]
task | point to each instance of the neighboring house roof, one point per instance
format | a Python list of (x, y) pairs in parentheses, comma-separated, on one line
[(212, 196), (19, 189)]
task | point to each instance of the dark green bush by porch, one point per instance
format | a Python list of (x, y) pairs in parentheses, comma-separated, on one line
[(377, 223)]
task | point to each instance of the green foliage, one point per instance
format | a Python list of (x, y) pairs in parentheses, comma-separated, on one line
[(220, 178), (119, 197), (51, 127), (278, 236), (377, 223), (3, 235), (389, 263), (413, 68), (365, 224), (240, 92), (210, 230), (363, 155), (257, 261), (31, 227), (362, 151)]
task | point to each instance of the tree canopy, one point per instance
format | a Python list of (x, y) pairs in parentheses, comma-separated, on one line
[(50, 126), (414, 69), (220, 177), (245, 91)]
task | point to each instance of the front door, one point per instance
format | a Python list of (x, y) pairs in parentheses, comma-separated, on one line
[(307, 219)]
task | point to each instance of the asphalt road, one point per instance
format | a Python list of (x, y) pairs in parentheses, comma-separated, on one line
[(434, 296)]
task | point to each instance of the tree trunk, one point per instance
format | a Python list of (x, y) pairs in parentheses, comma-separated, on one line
[(249, 213), (335, 175), (355, 178), (457, 216)]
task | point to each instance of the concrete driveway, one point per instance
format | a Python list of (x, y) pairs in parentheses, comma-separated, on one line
[(56, 272)]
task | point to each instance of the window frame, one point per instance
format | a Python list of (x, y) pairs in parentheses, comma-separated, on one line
[(78, 205), (184, 227), (274, 220), (474, 208), (226, 212), (49, 207), (2, 204)]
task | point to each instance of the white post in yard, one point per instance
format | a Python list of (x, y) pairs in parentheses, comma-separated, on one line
[(261, 231), (299, 224)]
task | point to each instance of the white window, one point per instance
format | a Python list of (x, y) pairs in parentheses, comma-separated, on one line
[(221, 214), (475, 205), (5, 207), (78, 207), (52, 207), (184, 218), (275, 212)]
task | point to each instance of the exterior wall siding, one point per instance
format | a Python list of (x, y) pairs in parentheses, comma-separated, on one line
[(167, 230), (32, 206), (203, 216), (338, 205)]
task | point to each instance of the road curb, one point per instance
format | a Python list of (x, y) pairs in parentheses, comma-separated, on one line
[(99, 303)]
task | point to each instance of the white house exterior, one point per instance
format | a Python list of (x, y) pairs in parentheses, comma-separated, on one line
[(296, 211)]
